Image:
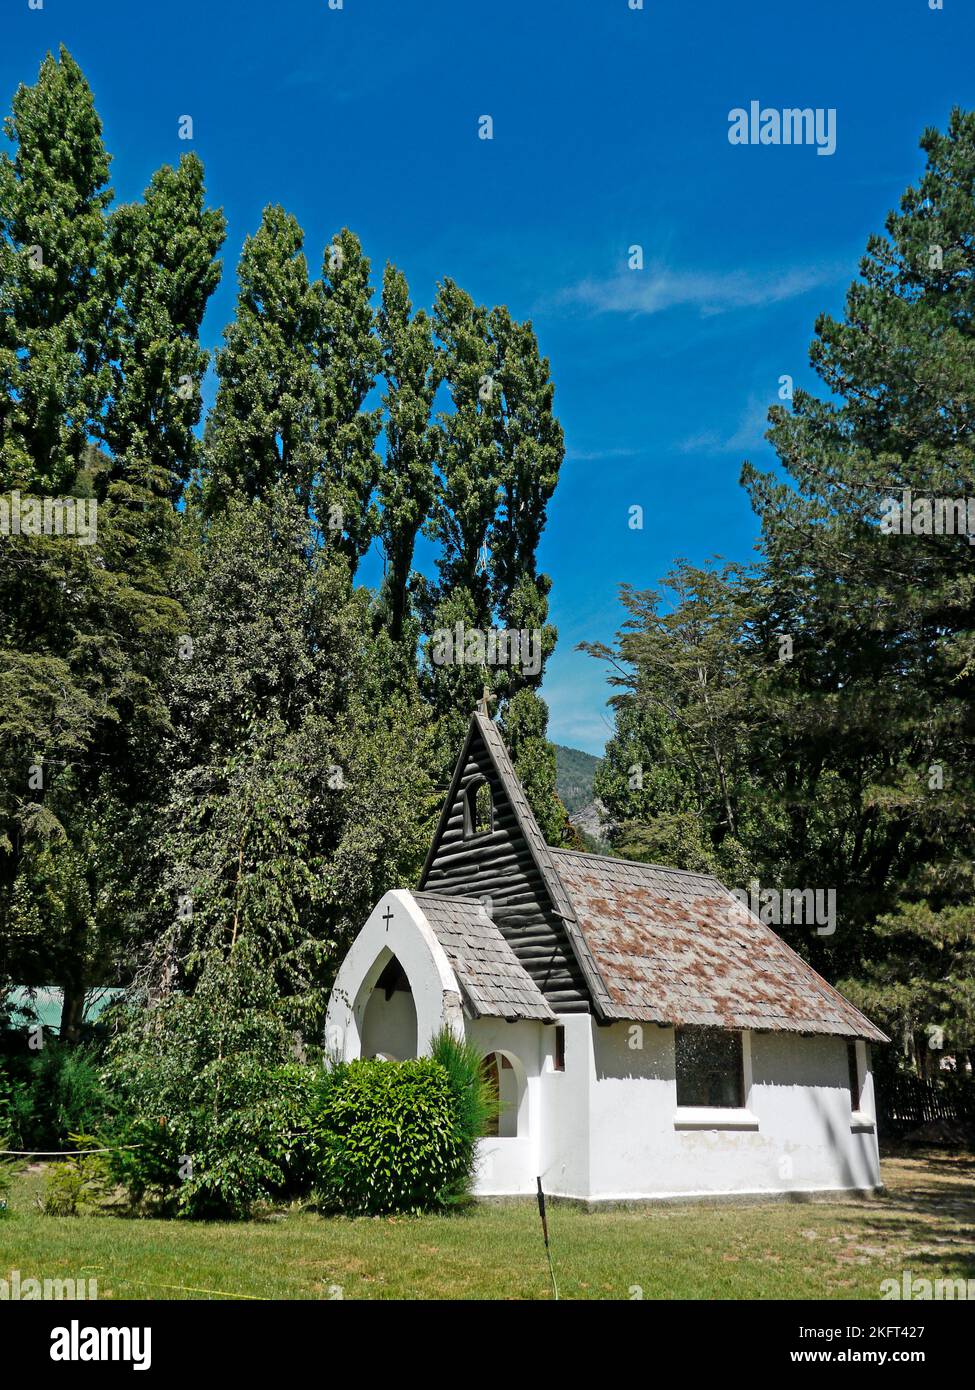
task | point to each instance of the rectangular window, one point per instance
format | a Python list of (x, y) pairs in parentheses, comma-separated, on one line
[(559, 1047), (710, 1068), (854, 1069)]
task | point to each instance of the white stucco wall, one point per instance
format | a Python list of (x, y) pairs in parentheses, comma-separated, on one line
[(507, 1166), (800, 1091), (608, 1127), (797, 1133), (389, 1025), (566, 1145)]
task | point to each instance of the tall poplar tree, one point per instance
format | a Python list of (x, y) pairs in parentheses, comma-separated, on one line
[(467, 457), (163, 259), (347, 353), (94, 310), (267, 424), (55, 304), (406, 482)]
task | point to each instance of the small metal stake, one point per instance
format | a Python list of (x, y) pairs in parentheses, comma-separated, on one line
[(541, 1212)]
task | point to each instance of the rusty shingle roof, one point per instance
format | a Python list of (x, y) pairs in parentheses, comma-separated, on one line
[(494, 982), (677, 947)]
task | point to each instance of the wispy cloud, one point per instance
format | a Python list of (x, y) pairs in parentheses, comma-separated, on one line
[(655, 289), (748, 433), (597, 455)]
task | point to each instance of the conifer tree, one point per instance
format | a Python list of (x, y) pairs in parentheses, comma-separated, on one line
[(884, 622), (838, 751)]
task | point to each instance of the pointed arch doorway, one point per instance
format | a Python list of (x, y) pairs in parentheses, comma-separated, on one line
[(389, 1028)]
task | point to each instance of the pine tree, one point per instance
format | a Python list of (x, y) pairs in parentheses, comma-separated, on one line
[(884, 623)]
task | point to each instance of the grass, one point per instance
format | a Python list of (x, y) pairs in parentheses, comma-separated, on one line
[(839, 1249)]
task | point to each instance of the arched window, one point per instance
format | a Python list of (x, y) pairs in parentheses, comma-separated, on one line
[(478, 809), (503, 1081)]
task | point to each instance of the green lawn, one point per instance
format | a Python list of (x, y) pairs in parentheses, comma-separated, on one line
[(925, 1224)]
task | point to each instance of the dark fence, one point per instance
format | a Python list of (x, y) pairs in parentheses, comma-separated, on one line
[(907, 1102)]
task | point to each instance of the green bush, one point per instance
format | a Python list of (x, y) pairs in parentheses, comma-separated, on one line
[(79, 1183), (388, 1138), (14, 1107), (49, 1094), (475, 1105), (213, 1117)]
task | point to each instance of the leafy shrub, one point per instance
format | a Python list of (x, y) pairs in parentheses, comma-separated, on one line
[(475, 1105), (213, 1117), (66, 1095), (79, 1183), (14, 1109), (49, 1094), (236, 1136), (388, 1137)]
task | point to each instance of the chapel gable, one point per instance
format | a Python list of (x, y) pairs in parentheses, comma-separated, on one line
[(488, 846)]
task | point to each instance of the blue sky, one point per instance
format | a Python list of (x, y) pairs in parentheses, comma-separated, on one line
[(610, 129)]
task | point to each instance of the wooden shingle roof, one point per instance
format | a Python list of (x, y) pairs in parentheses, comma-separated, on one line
[(489, 973), (678, 947)]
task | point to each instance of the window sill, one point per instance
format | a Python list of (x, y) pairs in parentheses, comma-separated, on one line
[(861, 1123), (713, 1117)]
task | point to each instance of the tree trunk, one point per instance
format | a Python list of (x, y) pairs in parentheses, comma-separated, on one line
[(72, 1011)]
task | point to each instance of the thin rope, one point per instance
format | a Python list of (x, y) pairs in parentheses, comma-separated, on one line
[(67, 1153)]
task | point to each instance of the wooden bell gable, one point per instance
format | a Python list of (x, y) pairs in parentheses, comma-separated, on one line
[(488, 846)]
